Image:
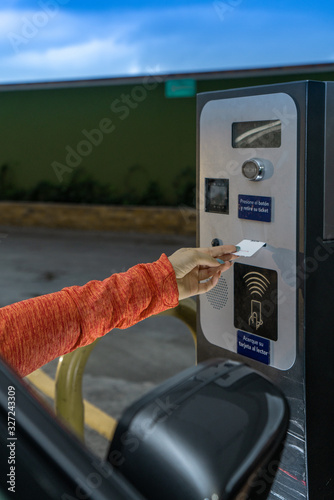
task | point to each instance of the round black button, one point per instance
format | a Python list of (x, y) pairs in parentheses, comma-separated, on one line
[(216, 242)]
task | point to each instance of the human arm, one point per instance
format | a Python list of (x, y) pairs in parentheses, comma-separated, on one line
[(37, 330)]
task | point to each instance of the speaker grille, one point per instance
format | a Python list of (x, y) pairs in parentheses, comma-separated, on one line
[(218, 296)]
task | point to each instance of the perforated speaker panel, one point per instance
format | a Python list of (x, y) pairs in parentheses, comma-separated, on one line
[(218, 296)]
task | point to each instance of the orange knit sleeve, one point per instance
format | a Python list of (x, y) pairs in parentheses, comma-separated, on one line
[(35, 331)]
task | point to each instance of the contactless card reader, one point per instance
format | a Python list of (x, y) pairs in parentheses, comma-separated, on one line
[(265, 172)]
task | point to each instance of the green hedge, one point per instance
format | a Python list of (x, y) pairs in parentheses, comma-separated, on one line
[(81, 187)]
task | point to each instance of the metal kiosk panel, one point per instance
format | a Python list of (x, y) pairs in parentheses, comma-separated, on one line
[(265, 172)]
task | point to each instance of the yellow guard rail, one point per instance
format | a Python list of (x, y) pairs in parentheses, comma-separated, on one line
[(69, 405)]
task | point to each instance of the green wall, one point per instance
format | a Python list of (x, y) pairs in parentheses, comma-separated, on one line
[(143, 137)]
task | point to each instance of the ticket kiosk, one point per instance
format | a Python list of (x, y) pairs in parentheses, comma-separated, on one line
[(265, 172)]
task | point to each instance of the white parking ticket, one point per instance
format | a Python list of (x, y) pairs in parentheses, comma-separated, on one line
[(248, 248)]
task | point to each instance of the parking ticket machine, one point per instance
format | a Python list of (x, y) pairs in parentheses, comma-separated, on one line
[(265, 172)]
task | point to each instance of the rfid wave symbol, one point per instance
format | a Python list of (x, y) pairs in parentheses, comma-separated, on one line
[(257, 284)]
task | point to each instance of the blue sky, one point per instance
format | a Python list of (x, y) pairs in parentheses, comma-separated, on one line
[(43, 40)]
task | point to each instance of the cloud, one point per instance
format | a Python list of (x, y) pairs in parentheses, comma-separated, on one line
[(66, 46), (9, 21), (70, 44), (73, 60), (78, 55)]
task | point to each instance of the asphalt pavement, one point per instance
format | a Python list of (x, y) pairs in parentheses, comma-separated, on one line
[(125, 363)]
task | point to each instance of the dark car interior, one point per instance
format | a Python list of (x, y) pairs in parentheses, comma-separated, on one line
[(213, 432)]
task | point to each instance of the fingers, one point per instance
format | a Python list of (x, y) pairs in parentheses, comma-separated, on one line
[(204, 259), (208, 272), (220, 250), (186, 260), (228, 257), (211, 283), (220, 254), (209, 276), (223, 252), (208, 256)]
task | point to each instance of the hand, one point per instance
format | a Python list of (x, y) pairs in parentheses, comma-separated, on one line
[(194, 265)]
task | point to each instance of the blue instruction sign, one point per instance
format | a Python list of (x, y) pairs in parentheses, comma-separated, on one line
[(253, 347), (254, 207)]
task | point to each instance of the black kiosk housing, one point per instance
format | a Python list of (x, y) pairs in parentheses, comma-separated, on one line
[(287, 335)]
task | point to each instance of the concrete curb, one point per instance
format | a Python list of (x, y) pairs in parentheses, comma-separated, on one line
[(166, 220)]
